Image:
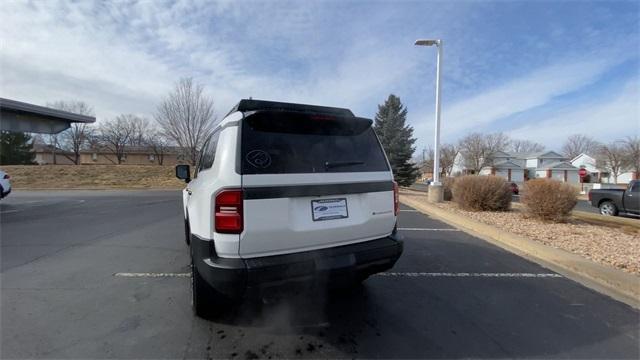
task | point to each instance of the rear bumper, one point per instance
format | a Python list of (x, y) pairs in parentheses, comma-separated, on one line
[(235, 277)]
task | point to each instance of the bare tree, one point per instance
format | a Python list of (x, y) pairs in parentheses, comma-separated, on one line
[(159, 144), (140, 130), (632, 153), (116, 134), (478, 150), (525, 146), (53, 142), (186, 116), (74, 138), (448, 154), (577, 144), (611, 157)]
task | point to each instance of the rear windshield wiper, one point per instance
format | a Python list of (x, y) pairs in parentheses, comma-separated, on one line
[(333, 164)]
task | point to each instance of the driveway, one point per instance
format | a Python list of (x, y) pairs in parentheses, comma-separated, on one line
[(451, 295)]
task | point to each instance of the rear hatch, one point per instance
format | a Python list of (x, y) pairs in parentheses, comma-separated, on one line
[(312, 181)]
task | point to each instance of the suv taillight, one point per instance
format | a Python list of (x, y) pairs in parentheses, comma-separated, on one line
[(228, 211), (396, 200), (589, 195)]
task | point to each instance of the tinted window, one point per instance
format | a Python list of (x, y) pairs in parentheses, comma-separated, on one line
[(209, 152), (279, 143), (635, 187)]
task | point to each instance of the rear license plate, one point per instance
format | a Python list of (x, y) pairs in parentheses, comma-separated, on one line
[(329, 209)]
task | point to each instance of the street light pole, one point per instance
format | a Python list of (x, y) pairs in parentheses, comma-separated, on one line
[(435, 189), (436, 162)]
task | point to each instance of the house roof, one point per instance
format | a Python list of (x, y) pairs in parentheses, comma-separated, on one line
[(558, 165), (582, 155), (529, 155), (133, 150), (46, 148), (506, 165)]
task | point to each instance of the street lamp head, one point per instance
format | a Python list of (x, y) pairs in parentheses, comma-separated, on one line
[(427, 42)]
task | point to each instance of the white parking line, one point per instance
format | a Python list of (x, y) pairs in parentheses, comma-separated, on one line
[(387, 274), (151, 275), (493, 275), (409, 210), (422, 229)]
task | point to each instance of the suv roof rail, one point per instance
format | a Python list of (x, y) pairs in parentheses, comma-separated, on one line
[(255, 105)]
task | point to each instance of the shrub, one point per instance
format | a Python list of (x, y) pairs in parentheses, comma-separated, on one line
[(549, 199), (482, 193), (447, 186)]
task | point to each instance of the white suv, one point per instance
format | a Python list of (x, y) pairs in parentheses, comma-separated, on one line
[(287, 194)]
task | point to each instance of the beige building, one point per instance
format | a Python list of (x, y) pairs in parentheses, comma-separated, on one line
[(134, 155)]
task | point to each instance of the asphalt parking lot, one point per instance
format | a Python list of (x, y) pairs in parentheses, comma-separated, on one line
[(450, 296)]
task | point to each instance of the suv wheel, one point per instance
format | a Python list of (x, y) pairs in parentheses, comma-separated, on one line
[(187, 232), (205, 301), (608, 208)]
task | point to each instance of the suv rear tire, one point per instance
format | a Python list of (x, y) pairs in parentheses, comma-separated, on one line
[(187, 232), (206, 302), (608, 208)]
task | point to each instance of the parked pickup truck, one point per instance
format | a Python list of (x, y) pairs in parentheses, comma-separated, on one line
[(611, 202)]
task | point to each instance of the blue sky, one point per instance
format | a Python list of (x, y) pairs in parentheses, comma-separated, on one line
[(534, 70)]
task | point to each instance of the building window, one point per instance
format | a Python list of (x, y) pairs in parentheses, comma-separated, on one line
[(94, 157), (152, 157)]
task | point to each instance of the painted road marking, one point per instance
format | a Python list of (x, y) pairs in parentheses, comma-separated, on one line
[(389, 274), (152, 275), (27, 205), (488, 275), (422, 229), (408, 210)]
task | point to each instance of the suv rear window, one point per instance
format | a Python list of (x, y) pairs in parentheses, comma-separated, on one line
[(288, 143)]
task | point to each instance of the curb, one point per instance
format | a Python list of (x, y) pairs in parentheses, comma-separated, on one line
[(601, 219), (597, 218), (617, 284), (580, 215)]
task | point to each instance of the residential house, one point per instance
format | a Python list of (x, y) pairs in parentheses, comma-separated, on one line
[(507, 166), (518, 167), (596, 175), (134, 155), (49, 154)]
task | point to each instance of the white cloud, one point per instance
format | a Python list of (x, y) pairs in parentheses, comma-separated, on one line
[(525, 93), (608, 119), (491, 105), (123, 57)]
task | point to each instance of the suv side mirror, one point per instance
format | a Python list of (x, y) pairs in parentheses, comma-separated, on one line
[(183, 173)]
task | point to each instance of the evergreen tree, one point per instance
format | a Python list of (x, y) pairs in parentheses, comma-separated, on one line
[(397, 139), (16, 149)]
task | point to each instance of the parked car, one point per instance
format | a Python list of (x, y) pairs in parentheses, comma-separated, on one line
[(5, 184), (611, 202), (514, 188), (287, 194)]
